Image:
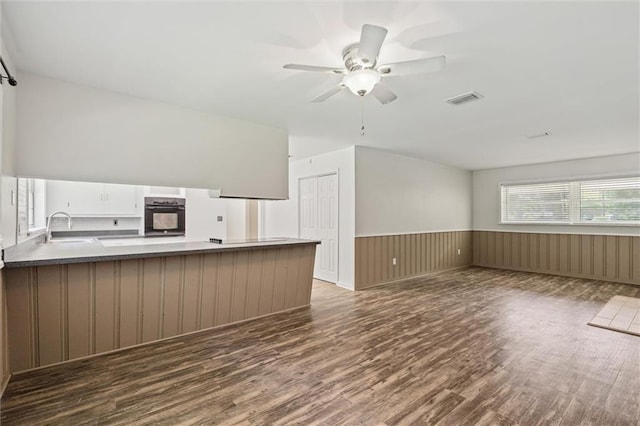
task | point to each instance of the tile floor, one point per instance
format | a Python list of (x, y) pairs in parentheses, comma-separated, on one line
[(621, 313)]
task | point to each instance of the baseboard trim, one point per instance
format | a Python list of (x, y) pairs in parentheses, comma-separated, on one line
[(560, 274), (410, 277), (205, 330)]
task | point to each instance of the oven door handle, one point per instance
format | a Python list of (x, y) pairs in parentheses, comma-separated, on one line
[(172, 208)]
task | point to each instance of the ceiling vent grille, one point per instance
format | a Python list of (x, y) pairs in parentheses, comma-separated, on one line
[(464, 98)]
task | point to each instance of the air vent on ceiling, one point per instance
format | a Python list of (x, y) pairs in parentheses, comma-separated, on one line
[(464, 98)]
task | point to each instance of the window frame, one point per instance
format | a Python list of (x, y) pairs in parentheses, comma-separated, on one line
[(574, 202)]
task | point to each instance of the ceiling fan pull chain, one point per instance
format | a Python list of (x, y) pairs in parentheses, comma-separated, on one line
[(362, 116)]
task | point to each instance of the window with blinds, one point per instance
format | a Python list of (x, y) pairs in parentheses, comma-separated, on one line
[(603, 201), (610, 200)]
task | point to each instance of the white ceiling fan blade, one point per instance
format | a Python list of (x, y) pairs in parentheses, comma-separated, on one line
[(416, 66), (371, 40), (329, 93), (383, 94), (314, 68)]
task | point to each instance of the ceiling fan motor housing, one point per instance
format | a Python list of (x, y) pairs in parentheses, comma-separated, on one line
[(353, 62)]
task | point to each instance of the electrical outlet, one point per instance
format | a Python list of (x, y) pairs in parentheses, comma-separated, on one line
[(115, 222), (459, 252), (219, 218), (393, 261)]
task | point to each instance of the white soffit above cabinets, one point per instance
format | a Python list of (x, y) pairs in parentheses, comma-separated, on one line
[(567, 66)]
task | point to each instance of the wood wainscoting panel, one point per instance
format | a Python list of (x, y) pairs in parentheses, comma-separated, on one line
[(62, 312), (21, 318), (192, 294), (225, 290), (130, 302), (5, 371), (79, 295), (635, 264), (253, 283), (51, 301), (282, 259), (602, 257), (239, 287), (104, 316), (415, 254), (153, 284), (171, 318), (209, 292), (267, 282)]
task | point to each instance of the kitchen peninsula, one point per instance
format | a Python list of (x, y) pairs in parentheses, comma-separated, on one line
[(69, 300)]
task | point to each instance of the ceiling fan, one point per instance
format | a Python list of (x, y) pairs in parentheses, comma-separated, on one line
[(362, 75)]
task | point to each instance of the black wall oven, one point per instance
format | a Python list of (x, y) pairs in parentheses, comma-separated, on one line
[(164, 216)]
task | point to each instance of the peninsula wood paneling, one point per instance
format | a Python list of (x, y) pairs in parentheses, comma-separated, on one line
[(62, 312), (416, 254), (4, 339), (602, 257)]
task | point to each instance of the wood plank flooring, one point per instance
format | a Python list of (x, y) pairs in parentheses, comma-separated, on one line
[(465, 347)]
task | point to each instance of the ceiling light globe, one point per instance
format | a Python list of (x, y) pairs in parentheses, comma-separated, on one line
[(361, 82)]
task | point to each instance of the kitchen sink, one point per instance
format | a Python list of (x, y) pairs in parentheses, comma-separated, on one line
[(71, 240)]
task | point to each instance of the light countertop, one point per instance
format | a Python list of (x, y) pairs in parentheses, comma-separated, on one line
[(80, 250)]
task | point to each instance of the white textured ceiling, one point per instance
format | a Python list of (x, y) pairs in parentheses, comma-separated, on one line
[(567, 67)]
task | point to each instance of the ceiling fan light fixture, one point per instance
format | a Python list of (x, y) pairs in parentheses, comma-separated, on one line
[(362, 81)]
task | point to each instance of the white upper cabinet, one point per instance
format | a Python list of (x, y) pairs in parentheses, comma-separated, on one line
[(119, 199), (86, 198)]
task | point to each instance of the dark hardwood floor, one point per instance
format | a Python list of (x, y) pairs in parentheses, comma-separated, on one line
[(472, 346)]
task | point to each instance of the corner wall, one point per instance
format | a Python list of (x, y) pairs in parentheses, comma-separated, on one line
[(414, 211), (280, 218)]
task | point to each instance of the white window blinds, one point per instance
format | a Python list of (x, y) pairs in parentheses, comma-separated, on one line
[(603, 201), (610, 200), (548, 202)]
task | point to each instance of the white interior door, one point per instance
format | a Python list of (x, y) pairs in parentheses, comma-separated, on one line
[(319, 221), (308, 209)]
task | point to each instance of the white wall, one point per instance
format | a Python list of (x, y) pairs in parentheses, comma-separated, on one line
[(399, 195), (486, 191), (202, 212), (8, 212), (280, 218), (236, 219), (72, 132), (9, 107)]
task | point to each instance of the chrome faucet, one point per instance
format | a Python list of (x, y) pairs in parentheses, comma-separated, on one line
[(47, 235)]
